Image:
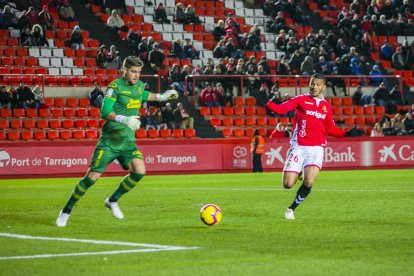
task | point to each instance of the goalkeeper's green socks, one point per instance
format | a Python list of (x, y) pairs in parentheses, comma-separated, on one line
[(301, 194), (126, 185), (80, 189)]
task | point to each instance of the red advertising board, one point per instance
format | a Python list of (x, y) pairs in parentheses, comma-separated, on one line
[(42, 159)]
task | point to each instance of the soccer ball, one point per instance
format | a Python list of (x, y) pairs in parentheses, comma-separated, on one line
[(210, 214)]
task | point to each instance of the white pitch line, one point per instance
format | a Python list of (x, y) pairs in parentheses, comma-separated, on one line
[(275, 189), (153, 247)]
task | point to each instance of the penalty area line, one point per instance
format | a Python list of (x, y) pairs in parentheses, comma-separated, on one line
[(276, 189), (149, 247)]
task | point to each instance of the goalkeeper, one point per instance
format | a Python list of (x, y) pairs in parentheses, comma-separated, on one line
[(120, 107)]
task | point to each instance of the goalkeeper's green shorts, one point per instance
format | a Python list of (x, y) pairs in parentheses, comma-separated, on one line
[(104, 155)]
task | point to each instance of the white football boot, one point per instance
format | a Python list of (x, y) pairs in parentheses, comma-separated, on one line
[(62, 219), (289, 214), (116, 211)]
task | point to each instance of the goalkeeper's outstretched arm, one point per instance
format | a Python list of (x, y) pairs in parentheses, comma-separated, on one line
[(107, 113), (163, 97)]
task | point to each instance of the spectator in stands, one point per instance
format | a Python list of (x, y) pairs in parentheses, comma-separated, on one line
[(159, 120), (25, 37), (23, 21), (376, 76), (336, 82), (395, 95), (176, 79), (32, 15), (186, 72), (182, 119), (252, 62), (408, 123), (263, 62), (397, 60), (46, 19), (382, 97), (398, 125), (224, 97), (209, 97), (156, 57), (180, 16), (386, 51), (289, 130), (104, 59), (148, 121), (38, 100), (161, 14), (15, 98), (219, 50), (307, 67), (143, 49), (76, 39), (281, 41), (116, 62), (37, 38), (177, 50), (367, 45), (5, 98), (295, 61), (283, 67), (278, 132), (115, 22), (299, 16), (377, 131), (382, 28), (231, 36), (277, 24), (134, 39), (191, 16), (9, 20), (96, 95), (25, 96), (356, 97), (355, 69), (219, 31), (66, 12), (190, 51), (168, 116), (231, 24), (232, 51)]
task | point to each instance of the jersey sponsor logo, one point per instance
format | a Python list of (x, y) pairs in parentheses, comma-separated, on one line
[(126, 92), (133, 104), (108, 92), (310, 103), (316, 114)]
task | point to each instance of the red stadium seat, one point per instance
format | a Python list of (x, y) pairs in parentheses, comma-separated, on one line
[(4, 123), (39, 135), (84, 102), (42, 123), (27, 135), (5, 113), (250, 111), (165, 133), (67, 123), (141, 134), (93, 123), (189, 133), (239, 111), (16, 123), (227, 122), (19, 112), (251, 121), (13, 135), (79, 134), (55, 123), (240, 121), (65, 134), (238, 101), (250, 101), (57, 112), (69, 112), (227, 132), (153, 133), (60, 102), (178, 133), (95, 112), (80, 123), (3, 136), (44, 112), (82, 112), (215, 122), (72, 102), (31, 112), (29, 123), (91, 134), (261, 121), (204, 111), (238, 132), (53, 134), (228, 111)]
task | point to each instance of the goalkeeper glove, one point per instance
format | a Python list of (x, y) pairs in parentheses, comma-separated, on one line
[(132, 122), (354, 132), (167, 95)]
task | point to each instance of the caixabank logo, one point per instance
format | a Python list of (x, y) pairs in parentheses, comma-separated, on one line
[(401, 153), (4, 159)]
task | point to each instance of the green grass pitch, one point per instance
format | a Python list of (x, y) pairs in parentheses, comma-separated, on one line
[(353, 223)]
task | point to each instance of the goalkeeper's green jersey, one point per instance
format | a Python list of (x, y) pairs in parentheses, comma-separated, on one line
[(127, 100)]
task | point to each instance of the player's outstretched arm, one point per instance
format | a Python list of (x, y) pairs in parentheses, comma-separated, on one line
[(163, 97)]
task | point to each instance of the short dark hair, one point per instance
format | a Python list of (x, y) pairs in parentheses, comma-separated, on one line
[(132, 61), (319, 76)]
